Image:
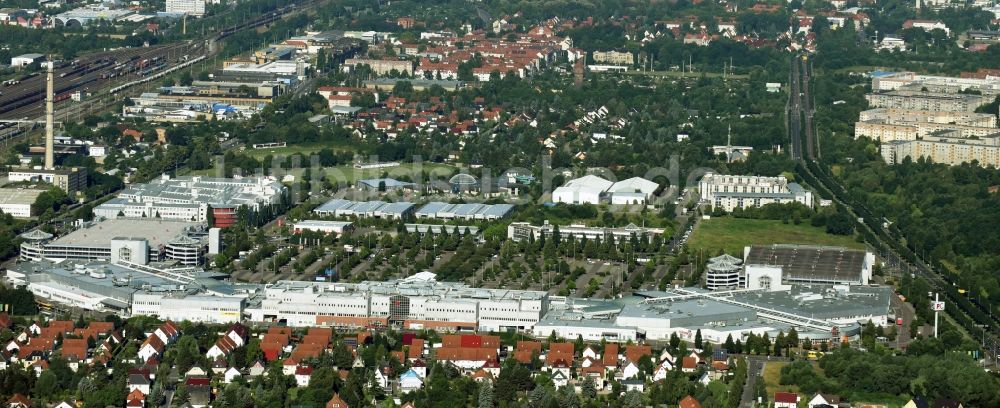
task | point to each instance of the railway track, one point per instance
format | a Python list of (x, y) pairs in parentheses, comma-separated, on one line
[(972, 316), (25, 100)]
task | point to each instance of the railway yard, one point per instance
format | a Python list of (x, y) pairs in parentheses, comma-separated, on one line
[(99, 75), (89, 75)]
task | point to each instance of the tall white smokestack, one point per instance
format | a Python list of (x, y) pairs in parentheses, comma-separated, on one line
[(50, 162)]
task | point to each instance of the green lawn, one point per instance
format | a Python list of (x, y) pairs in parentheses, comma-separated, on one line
[(772, 378), (678, 74), (350, 174), (304, 148), (347, 173), (732, 234)]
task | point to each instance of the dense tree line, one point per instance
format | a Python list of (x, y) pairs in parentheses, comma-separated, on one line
[(849, 372)]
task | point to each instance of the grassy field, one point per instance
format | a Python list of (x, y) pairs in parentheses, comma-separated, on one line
[(772, 378), (304, 148), (732, 234), (678, 74), (349, 174)]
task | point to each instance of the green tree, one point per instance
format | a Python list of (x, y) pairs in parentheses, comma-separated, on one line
[(46, 385), (486, 395)]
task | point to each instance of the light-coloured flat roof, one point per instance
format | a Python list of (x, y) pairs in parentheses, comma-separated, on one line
[(155, 231), (19, 195)]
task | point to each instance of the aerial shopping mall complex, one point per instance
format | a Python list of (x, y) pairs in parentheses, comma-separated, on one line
[(821, 291)]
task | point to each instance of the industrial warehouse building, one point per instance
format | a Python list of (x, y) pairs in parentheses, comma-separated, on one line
[(814, 264), (416, 302), (818, 311), (729, 192), (194, 198), (472, 211), (518, 231), (326, 227), (176, 293), (365, 209), (18, 201), (591, 189), (119, 240)]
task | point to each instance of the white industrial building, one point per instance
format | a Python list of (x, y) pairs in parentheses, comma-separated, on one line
[(469, 211), (365, 209), (18, 201), (419, 300), (194, 308), (135, 241), (816, 311), (635, 190), (189, 7), (191, 198), (173, 293), (814, 264), (584, 190), (26, 59), (326, 227), (591, 189), (518, 231), (729, 192)]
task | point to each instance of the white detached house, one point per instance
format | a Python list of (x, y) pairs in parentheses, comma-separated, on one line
[(410, 381), (231, 375), (630, 371)]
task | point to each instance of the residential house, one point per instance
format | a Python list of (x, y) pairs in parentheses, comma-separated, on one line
[(135, 399), (258, 368), (219, 366), (420, 367), (786, 400), (917, 402), (199, 391), (467, 358), (231, 375), (382, 378), (336, 402), (630, 371), (167, 332), (235, 337), (194, 372), (151, 347), (610, 356), (65, 404), (302, 376), (689, 402), (689, 364), (704, 378), (410, 381), (19, 401), (634, 385), (560, 378), (482, 375), (662, 370), (138, 382), (634, 353), (820, 400), (492, 367)]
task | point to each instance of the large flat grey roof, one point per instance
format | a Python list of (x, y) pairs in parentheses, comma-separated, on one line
[(337, 204), (19, 195), (803, 262), (155, 231), (822, 301)]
